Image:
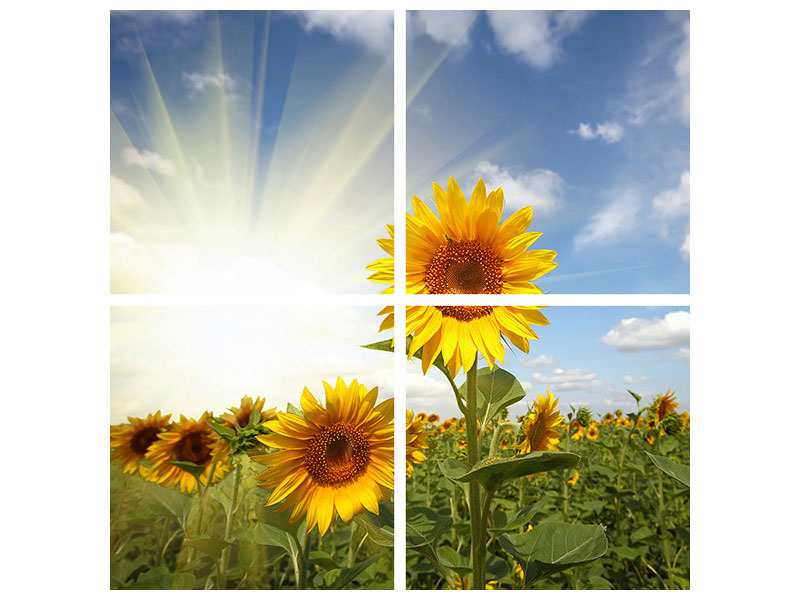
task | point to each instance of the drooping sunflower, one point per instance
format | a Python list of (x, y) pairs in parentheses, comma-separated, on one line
[(416, 441), (664, 404), (334, 459), (130, 441), (541, 428), (188, 441), (240, 416), (466, 250)]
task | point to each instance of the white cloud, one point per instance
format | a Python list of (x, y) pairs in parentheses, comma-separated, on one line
[(674, 202), (538, 361), (198, 82), (637, 334), (542, 189), (681, 68), (608, 225), (681, 354), (568, 379), (448, 27), (610, 131), (125, 196), (371, 29), (630, 379), (149, 160), (684, 249), (534, 36)]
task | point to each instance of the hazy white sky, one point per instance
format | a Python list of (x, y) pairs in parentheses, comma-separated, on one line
[(188, 360)]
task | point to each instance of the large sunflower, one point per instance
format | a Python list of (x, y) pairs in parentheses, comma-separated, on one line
[(466, 250), (416, 441), (335, 457), (188, 441), (541, 427), (130, 441), (240, 416)]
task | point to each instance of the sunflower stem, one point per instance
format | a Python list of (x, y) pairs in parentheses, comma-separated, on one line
[(473, 454), (661, 516), (226, 551)]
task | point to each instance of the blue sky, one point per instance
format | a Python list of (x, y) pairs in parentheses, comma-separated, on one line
[(582, 115), (587, 356), (250, 151)]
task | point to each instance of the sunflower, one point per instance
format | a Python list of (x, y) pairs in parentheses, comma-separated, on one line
[(664, 405), (433, 418), (337, 458), (188, 441), (519, 572), (416, 441), (578, 430), (608, 418), (651, 424), (540, 428), (130, 441), (650, 439), (240, 417), (593, 432), (462, 444), (466, 250), (574, 479), (685, 418), (504, 444)]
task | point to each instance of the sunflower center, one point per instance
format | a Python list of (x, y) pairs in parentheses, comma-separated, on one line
[(195, 448), (337, 455), (466, 267), (142, 440)]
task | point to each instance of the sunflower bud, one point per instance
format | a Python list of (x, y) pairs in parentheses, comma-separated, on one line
[(584, 417), (672, 424)]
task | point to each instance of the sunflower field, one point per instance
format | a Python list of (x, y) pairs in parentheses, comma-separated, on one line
[(204, 503), (616, 518)]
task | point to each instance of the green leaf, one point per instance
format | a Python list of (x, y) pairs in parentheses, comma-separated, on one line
[(673, 469), (497, 389), (453, 469), (348, 575), (169, 501), (267, 535), (210, 545), (496, 567), (490, 473), (625, 552), (424, 527), (225, 432), (642, 533), (636, 396), (386, 346), (190, 467), (553, 547), (293, 410), (380, 527), (452, 560), (520, 519)]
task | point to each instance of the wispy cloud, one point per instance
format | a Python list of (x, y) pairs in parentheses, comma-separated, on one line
[(674, 202), (125, 196), (198, 82), (534, 36), (685, 249), (448, 27), (149, 160), (568, 379), (630, 379), (637, 334), (538, 361), (607, 226), (610, 131), (542, 189), (371, 29)]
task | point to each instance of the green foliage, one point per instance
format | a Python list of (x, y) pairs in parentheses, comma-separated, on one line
[(673, 469), (553, 547), (497, 390)]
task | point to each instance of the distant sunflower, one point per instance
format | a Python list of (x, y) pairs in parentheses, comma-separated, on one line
[(651, 424), (335, 458), (650, 439), (188, 441), (504, 444), (608, 418), (461, 444), (416, 441), (578, 430), (466, 250), (241, 416), (593, 432), (130, 441), (664, 405), (685, 418), (574, 479), (540, 428), (433, 418)]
